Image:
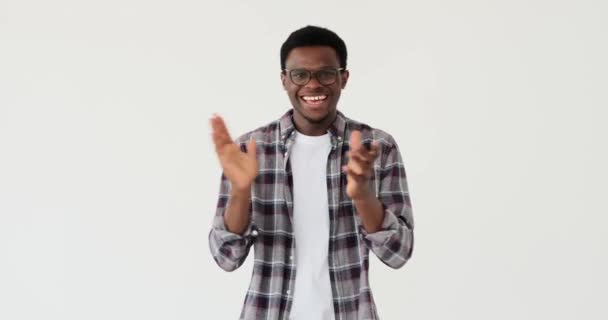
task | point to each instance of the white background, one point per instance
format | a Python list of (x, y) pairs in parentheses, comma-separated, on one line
[(108, 180)]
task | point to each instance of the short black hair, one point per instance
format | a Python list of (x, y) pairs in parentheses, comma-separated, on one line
[(314, 36)]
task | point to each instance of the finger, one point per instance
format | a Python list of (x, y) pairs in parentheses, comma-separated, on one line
[(345, 169), (375, 148), (359, 158), (349, 172), (368, 157), (356, 167), (215, 131), (353, 174), (376, 145), (352, 154), (219, 128), (219, 141), (355, 140), (371, 154)]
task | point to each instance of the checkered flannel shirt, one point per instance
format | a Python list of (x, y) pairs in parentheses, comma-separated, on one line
[(271, 233)]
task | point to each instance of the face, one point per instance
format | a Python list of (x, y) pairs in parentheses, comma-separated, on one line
[(314, 104)]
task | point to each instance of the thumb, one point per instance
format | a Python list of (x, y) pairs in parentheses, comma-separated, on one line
[(251, 150), (355, 140)]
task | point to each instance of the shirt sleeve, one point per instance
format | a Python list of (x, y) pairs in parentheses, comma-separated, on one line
[(229, 249), (393, 243)]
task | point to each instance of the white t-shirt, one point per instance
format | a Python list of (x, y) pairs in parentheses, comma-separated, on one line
[(312, 297)]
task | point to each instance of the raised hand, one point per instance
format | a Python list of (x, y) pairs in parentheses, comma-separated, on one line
[(359, 167), (239, 167)]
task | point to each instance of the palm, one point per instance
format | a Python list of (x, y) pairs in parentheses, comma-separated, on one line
[(353, 186), (359, 167), (239, 167)]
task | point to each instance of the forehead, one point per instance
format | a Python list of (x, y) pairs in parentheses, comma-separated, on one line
[(313, 57)]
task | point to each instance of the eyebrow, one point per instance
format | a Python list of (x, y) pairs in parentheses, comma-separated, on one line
[(320, 68)]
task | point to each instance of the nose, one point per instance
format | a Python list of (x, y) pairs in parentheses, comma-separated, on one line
[(313, 82)]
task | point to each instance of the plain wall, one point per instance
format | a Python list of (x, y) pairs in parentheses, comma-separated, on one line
[(108, 178)]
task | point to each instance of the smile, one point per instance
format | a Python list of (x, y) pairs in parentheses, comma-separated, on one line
[(314, 99)]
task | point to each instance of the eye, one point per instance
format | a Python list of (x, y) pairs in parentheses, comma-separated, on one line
[(299, 74), (327, 74)]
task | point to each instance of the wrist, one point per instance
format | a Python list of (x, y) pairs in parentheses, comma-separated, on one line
[(244, 192), (363, 195)]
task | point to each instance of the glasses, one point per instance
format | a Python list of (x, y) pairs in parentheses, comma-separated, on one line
[(325, 76)]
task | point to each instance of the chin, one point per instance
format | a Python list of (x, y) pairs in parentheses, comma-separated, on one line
[(316, 120), (314, 117)]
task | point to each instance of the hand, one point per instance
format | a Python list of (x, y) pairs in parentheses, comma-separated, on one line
[(359, 167), (239, 167)]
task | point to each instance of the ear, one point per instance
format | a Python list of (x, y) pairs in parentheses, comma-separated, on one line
[(344, 77), (284, 80)]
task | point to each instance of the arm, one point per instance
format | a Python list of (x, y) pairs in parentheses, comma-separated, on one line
[(231, 233), (393, 241), (237, 213), (386, 216)]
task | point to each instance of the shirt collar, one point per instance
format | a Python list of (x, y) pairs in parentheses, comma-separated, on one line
[(336, 129)]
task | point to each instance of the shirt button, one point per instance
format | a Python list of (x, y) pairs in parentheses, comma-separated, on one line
[(288, 291), (339, 138), (290, 257)]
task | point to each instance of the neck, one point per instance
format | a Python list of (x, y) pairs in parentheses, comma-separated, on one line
[(310, 128)]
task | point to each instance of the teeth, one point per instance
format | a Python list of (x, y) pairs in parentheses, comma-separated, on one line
[(314, 98)]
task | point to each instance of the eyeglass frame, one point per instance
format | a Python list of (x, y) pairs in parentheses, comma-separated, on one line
[(312, 74)]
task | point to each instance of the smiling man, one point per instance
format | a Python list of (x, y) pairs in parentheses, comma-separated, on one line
[(313, 192)]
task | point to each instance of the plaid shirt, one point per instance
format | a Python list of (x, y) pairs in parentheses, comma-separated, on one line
[(271, 233)]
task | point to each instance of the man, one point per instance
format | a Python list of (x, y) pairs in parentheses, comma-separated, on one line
[(313, 192)]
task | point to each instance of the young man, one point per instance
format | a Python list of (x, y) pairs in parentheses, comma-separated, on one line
[(313, 192)]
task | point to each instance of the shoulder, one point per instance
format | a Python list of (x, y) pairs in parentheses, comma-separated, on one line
[(265, 134), (369, 133)]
